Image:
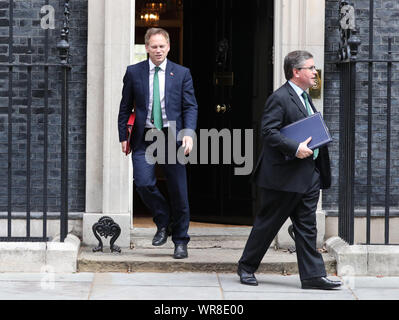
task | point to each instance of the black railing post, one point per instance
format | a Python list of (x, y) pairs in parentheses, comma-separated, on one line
[(63, 47), (10, 109), (370, 123), (28, 142), (388, 142), (347, 63), (347, 152), (45, 132)]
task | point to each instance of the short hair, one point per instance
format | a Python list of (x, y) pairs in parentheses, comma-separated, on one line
[(295, 59), (152, 31)]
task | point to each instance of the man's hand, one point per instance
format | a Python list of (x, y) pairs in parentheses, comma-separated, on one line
[(124, 145), (303, 150), (187, 144)]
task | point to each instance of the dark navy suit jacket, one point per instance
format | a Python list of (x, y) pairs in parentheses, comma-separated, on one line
[(180, 103), (277, 167)]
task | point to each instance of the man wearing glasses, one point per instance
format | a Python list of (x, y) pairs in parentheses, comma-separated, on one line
[(290, 176)]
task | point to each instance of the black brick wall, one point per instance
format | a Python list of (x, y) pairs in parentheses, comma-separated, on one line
[(26, 25), (386, 24)]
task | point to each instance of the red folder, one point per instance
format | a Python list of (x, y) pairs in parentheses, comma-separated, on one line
[(130, 124)]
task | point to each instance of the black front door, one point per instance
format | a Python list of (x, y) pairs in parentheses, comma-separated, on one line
[(227, 45)]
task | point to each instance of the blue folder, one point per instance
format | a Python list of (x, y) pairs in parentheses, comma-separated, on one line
[(312, 126)]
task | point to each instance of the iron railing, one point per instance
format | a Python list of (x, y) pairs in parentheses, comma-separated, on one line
[(348, 65), (64, 67)]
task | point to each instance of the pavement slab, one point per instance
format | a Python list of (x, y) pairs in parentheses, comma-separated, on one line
[(184, 286)]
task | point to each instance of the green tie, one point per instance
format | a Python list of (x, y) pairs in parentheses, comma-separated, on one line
[(310, 112), (156, 102)]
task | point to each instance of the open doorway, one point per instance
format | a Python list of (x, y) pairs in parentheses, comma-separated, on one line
[(167, 15), (228, 45), (228, 48)]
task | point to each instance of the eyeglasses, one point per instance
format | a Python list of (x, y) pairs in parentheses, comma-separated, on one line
[(312, 68)]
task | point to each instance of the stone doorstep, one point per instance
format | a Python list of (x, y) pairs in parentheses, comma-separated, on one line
[(199, 260), (210, 250), (364, 260), (214, 251), (34, 257)]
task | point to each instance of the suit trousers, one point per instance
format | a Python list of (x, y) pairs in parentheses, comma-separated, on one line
[(276, 207), (177, 212)]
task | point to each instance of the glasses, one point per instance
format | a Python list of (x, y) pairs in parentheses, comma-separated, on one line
[(312, 68)]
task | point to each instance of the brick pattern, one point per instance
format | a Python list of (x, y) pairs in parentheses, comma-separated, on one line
[(27, 24), (385, 25)]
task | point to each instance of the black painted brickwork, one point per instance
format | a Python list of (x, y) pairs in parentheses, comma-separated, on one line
[(26, 25), (386, 23)]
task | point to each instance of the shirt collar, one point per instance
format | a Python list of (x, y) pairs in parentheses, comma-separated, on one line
[(297, 89), (162, 66)]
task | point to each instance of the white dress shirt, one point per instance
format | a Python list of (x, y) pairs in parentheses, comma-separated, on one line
[(161, 78)]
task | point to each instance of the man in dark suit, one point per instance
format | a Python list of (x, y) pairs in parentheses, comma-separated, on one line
[(290, 176), (163, 95)]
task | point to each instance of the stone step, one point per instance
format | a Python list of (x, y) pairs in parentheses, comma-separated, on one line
[(199, 260), (210, 250), (200, 238)]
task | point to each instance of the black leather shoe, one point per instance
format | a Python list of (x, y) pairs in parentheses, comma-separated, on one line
[(321, 283), (247, 278), (180, 251), (160, 237)]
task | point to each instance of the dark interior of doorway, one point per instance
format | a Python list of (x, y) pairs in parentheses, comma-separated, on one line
[(261, 67)]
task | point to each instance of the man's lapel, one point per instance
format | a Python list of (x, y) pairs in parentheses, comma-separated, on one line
[(169, 76), (145, 78), (295, 99)]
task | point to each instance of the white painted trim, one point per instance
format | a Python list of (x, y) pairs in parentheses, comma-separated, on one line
[(110, 51)]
